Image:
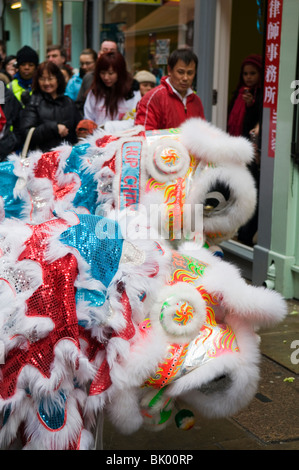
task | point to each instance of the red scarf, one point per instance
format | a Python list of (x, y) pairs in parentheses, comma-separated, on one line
[(237, 114), (2, 119)]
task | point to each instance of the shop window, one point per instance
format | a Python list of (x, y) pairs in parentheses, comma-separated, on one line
[(49, 22), (146, 34)]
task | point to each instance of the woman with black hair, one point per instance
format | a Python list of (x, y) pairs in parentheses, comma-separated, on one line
[(53, 114), (111, 94), (245, 108), (244, 119)]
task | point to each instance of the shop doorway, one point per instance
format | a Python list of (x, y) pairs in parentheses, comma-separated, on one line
[(238, 33), (247, 27), (246, 39)]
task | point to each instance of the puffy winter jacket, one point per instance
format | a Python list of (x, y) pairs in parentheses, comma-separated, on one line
[(11, 139), (22, 94), (45, 113), (161, 108)]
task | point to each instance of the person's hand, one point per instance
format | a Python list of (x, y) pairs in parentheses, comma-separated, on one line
[(62, 130), (248, 97)]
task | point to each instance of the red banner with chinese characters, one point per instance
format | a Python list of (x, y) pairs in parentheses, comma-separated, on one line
[(272, 56), (67, 43)]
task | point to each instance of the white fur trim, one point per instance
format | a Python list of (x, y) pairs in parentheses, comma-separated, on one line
[(258, 306), (125, 412), (210, 144), (38, 193)]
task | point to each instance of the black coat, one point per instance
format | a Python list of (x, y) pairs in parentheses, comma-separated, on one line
[(11, 140), (253, 114), (45, 113)]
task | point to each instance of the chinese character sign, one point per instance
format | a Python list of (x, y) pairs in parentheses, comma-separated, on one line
[(272, 55)]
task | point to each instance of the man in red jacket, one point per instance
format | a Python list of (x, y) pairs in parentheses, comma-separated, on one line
[(173, 101)]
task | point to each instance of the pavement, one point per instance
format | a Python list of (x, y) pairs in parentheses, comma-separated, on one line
[(270, 422)]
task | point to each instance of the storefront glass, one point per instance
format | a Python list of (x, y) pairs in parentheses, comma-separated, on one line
[(147, 31), (49, 22)]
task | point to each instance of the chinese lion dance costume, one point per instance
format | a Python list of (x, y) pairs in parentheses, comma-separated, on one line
[(107, 310)]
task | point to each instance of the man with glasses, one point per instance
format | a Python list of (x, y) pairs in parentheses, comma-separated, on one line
[(88, 59), (107, 46)]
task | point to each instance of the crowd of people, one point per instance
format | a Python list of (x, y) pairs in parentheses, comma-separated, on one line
[(52, 104)]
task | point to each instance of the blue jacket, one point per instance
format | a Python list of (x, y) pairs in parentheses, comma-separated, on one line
[(73, 86)]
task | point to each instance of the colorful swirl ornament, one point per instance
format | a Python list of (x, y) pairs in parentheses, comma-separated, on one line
[(184, 313), (181, 311), (167, 159)]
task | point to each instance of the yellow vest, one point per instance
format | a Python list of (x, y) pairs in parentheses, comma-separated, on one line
[(17, 90)]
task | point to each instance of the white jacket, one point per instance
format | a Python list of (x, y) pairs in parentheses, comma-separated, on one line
[(95, 109)]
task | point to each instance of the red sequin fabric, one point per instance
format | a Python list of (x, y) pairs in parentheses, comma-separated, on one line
[(54, 361)]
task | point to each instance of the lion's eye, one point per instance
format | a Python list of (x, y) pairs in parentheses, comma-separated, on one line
[(217, 198)]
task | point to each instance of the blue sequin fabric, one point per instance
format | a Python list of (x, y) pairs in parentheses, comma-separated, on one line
[(53, 413), (99, 242), (86, 195), (13, 206)]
